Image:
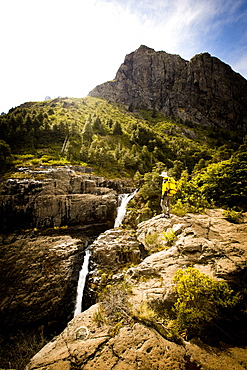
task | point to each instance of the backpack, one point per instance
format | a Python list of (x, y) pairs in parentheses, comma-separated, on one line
[(169, 186)]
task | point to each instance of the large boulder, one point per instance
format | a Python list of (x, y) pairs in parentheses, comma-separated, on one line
[(207, 242), (114, 248)]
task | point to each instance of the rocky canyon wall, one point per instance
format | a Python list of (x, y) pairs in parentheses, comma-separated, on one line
[(48, 218)]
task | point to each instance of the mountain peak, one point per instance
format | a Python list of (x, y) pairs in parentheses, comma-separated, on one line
[(205, 90), (144, 49)]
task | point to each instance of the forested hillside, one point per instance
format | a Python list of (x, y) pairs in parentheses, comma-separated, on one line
[(208, 162)]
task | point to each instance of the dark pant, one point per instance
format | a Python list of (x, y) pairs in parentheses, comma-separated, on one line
[(165, 204)]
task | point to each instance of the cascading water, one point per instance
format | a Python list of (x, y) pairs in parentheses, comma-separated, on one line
[(123, 199), (81, 282)]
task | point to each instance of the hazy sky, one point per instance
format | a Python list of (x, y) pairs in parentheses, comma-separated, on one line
[(65, 48)]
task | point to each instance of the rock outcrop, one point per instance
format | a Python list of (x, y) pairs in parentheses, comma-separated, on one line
[(207, 242), (56, 197), (115, 248), (204, 90), (85, 345)]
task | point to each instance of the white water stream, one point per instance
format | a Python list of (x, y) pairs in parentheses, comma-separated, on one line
[(123, 199), (81, 282)]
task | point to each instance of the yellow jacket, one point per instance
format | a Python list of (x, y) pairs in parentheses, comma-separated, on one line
[(169, 186)]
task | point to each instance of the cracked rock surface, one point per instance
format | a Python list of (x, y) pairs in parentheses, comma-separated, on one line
[(207, 242), (133, 348)]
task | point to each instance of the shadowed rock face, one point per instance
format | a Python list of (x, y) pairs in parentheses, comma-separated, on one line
[(38, 279), (40, 267), (204, 90), (48, 218)]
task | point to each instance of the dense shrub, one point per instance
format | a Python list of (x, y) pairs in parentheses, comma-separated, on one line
[(200, 301)]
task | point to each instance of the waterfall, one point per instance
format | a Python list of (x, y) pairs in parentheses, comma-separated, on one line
[(81, 282), (123, 199)]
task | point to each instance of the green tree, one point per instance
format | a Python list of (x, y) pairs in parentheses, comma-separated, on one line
[(176, 170), (117, 128), (222, 153), (151, 188), (225, 183), (146, 158), (109, 123), (200, 165), (87, 133), (28, 122), (189, 197), (5, 152), (129, 160), (98, 127), (84, 153)]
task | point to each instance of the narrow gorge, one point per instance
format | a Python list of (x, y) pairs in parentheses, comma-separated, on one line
[(123, 200)]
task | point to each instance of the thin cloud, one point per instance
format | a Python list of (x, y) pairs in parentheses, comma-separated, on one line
[(56, 47), (183, 26)]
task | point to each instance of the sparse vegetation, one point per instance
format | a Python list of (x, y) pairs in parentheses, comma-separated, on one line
[(16, 350), (115, 309), (152, 240), (99, 317), (233, 216), (169, 235), (200, 306)]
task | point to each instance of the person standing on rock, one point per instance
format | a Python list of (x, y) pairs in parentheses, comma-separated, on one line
[(168, 190)]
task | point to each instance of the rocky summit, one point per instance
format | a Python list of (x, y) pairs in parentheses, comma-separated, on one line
[(204, 90)]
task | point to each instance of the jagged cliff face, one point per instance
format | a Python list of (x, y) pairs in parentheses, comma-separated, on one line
[(203, 90)]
